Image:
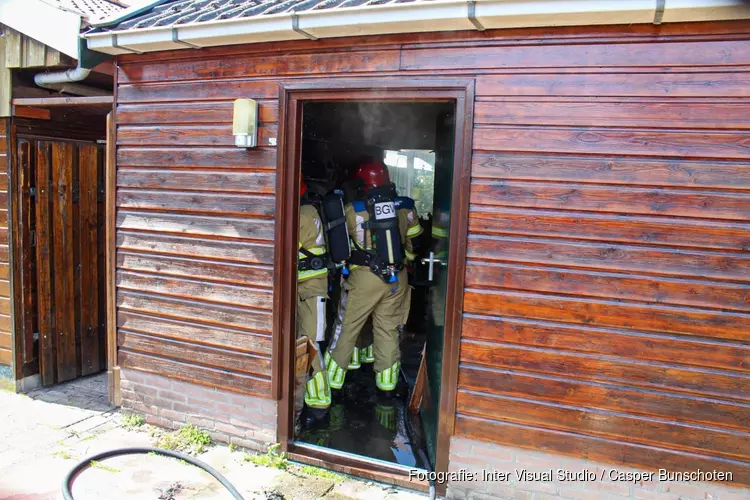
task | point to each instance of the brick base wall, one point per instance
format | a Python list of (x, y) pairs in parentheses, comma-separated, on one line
[(477, 456), (239, 419)]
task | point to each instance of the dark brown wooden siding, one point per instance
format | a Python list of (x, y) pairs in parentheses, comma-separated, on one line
[(608, 284), (608, 280), (5, 302)]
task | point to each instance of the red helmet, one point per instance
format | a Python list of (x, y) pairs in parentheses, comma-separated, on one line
[(372, 173), (302, 185)]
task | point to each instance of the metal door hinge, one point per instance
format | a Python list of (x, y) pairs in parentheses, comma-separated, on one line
[(36, 335), (32, 192), (32, 237)]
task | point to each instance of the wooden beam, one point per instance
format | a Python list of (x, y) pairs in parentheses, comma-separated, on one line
[(13, 41), (106, 100), (31, 112), (34, 53), (6, 83), (113, 371)]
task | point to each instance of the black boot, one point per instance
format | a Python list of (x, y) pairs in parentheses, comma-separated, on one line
[(315, 416)]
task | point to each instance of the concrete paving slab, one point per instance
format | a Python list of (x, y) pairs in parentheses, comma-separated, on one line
[(43, 437), (361, 490), (303, 488)]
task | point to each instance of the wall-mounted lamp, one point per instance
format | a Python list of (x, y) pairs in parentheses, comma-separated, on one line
[(245, 123)]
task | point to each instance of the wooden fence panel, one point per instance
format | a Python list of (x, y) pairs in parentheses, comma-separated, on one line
[(58, 236), (44, 246), (64, 290), (25, 215), (101, 257), (88, 240)]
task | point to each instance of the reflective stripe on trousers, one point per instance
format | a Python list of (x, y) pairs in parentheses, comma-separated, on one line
[(366, 355), (317, 392), (336, 374), (388, 378), (354, 363)]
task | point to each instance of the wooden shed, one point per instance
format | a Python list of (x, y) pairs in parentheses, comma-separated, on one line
[(597, 303), (54, 99)]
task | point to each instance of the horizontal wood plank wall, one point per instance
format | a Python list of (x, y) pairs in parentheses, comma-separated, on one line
[(5, 301), (607, 309), (608, 284)]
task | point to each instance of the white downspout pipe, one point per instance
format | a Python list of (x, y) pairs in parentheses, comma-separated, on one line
[(66, 81), (71, 75)]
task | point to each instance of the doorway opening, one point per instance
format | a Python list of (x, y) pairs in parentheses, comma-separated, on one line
[(415, 140)]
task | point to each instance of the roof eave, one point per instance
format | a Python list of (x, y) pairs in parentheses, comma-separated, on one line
[(49, 25), (415, 17)]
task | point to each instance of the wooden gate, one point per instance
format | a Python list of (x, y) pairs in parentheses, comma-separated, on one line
[(61, 228)]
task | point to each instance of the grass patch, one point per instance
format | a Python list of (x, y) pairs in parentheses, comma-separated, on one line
[(309, 470), (188, 439), (98, 465), (63, 454), (232, 448), (272, 458), (132, 421)]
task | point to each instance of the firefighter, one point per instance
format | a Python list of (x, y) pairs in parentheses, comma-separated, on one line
[(312, 291), (363, 354), (381, 226)]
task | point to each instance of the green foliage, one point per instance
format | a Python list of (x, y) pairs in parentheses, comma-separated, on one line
[(324, 473), (98, 465), (63, 454), (7, 385), (272, 458), (132, 420), (423, 192), (189, 439), (232, 448)]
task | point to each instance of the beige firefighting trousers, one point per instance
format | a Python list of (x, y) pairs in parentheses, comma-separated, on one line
[(364, 294), (311, 315)]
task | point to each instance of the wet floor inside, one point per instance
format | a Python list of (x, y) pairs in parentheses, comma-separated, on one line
[(361, 421)]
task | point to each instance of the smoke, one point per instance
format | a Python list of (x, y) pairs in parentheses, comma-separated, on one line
[(372, 118), (390, 125)]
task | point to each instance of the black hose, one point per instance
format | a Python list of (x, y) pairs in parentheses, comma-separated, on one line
[(85, 464)]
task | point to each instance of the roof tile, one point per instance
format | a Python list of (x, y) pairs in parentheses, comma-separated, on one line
[(92, 11), (178, 12)]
